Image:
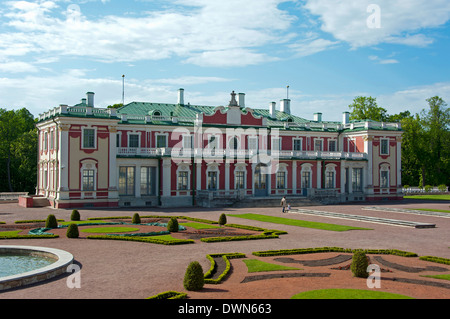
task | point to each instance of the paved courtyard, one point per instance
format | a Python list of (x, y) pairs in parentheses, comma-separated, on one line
[(134, 270)]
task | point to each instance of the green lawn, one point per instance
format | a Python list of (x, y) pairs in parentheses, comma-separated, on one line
[(296, 222), (255, 265), (101, 230), (430, 197), (9, 233), (347, 294), (445, 277), (433, 210), (199, 225), (83, 222)]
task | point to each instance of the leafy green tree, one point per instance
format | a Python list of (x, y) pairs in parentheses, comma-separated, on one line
[(15, 140), (366, 108), (436, 124)]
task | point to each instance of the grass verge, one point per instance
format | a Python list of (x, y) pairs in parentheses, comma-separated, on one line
[(255, 265), (347, 294), (298, 223)]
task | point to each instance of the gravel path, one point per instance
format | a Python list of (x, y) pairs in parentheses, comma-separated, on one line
[(133, 270)]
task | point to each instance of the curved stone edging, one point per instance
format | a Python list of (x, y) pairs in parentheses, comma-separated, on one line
[(63, 260)]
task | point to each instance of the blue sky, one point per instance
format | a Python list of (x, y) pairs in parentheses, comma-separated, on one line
[(327, 51)]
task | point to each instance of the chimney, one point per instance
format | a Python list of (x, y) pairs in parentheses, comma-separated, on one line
[(241, 100), (273, 110), (83, 101), (181, 97), (346, 118), (318, 117), (285, 106), (90, 99)]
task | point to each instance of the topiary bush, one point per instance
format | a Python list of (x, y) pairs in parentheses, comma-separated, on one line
[(222, 219), (75, 216), (51, 221), (72, 231), (194, 278), (359, 264), (172, 225), (136, 219)]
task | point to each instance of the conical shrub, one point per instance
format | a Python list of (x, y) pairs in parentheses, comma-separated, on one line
[(136, 219), (75, 216), (172, 225), (194, 279), (359, 264), (222, 219), (51, 221), (72, 231)]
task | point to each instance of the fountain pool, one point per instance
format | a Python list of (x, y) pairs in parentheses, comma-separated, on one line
[(24, 265)]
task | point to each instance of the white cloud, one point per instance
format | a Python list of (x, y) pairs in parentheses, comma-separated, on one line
[(205, 35), (383, 61), (401, 22), (17, 67), (414, 98), (310, 47), (229, 58)]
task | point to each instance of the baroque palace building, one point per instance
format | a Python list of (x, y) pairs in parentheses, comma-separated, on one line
[(154, 154)]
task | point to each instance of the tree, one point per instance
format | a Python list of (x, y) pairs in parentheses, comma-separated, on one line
[(194, 278), (14, 124), (436, 124), (366, 108), (222, 219)]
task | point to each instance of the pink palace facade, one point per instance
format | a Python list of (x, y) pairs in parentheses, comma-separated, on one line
[(167, 155)]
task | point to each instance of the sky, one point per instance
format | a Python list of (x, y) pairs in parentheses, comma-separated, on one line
[(326, 51)]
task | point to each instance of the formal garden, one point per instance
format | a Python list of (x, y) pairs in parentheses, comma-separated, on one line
[(320, 264)]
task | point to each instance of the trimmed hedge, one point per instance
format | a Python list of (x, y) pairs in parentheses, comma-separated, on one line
[(32, 221), (29, 236), (212, 269), (236, 238), (169, 295), (439, 260), (143, 239), (299, 251)]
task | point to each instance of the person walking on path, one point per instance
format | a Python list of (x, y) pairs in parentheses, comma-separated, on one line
[(283, 204)]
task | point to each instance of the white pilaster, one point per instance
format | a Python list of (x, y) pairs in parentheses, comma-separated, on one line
[(294, 177), (167, 178), (319, 174)]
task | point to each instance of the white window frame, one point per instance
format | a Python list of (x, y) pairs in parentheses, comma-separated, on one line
[(387, 146), (306, 168), (95, 138), (386, 169), (330, 168), (301, 144), (275, 140), (184, 168), (335, 145), (241, 167), (213, 167), (129, 139), (321, 144), (86, 166), (282, 168), (166, 135), (254, 140)]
